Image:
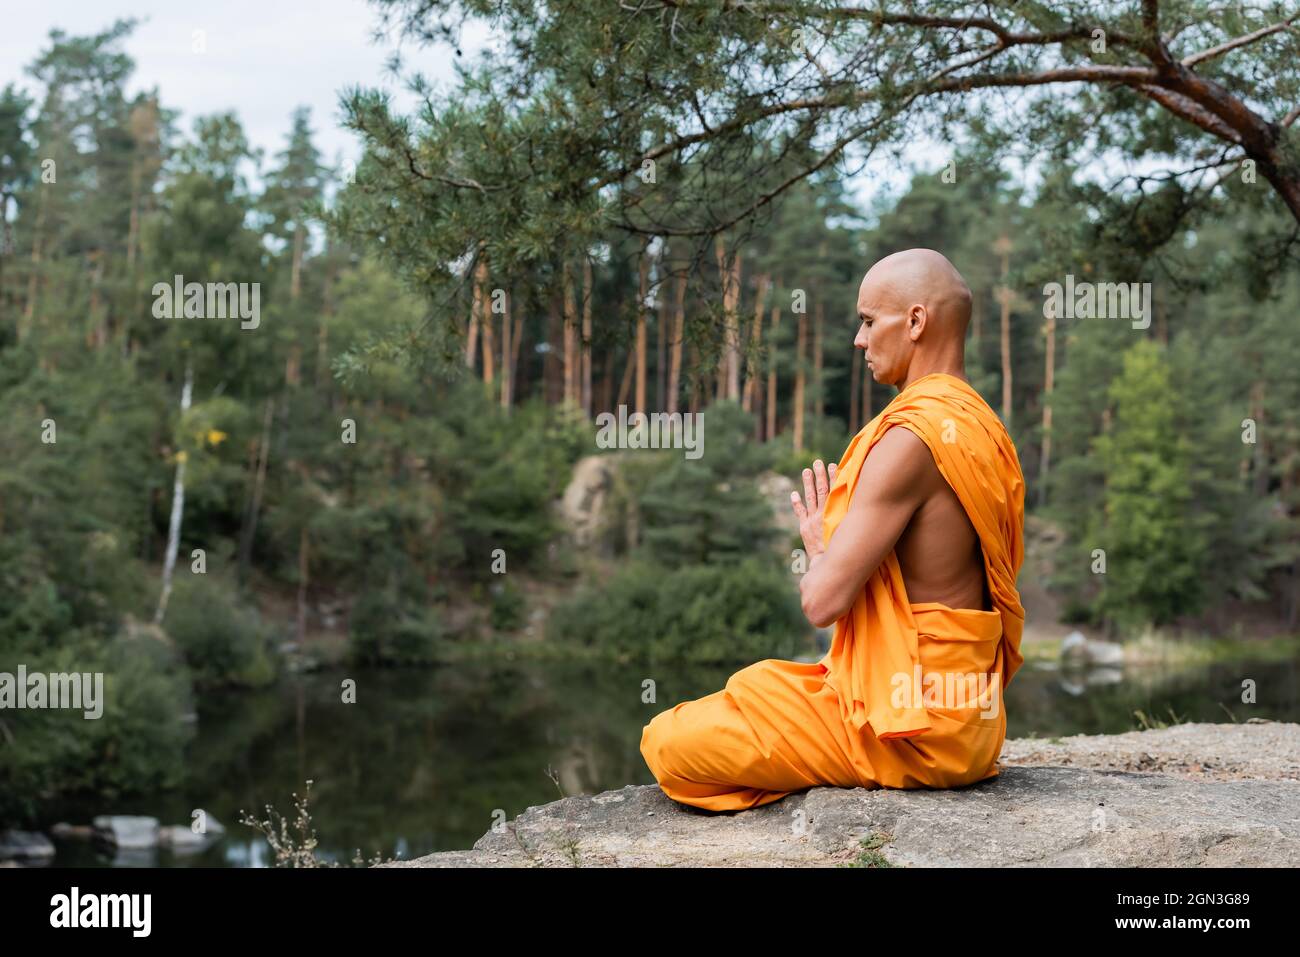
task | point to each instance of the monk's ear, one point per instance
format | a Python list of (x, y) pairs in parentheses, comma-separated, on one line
[(917, 317)]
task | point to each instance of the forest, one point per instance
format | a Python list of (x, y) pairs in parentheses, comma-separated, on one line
[(418, 346)]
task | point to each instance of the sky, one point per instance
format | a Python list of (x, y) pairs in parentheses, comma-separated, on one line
[(263, 58)]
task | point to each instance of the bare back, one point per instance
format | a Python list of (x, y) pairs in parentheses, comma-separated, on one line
[(939, 552)]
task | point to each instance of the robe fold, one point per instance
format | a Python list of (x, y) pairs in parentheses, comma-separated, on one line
[(909, 694), (878, 637)]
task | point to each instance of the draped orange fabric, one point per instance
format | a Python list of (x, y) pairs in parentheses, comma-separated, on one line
[(878, 638), (909, 694)]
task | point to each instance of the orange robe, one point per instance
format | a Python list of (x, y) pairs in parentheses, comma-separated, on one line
[(910, 694)]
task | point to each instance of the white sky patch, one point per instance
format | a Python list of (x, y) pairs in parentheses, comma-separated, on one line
[(263, 59)]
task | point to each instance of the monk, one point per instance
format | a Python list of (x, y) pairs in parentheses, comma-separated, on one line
[(914, 540)]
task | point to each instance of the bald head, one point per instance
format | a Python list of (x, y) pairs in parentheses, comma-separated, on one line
[(915, 307), (926, 277)]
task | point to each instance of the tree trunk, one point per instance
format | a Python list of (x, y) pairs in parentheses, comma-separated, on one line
[(6, 240), (133, 224), (626, 384), (1049, 376), (771, 372), (675, 347), (178, 506), (641, 310), (729, 374), (6, 250), (295, 277), (696, 385), (486, 322), (303, 569), (506, 371), (97, 335), (516, 337), (293, 361), (553, 363), (1006, 356), (38, 239), (322, 331), (800, 348), (471, 335), (259, 484), (1003, 247), (1261, 446), (750, 397), (571, 360), (736, 289), (819, 386), (661, 360), (724, 283), (586, 334)]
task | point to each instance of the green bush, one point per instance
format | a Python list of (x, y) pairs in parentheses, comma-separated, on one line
[(508, 606), (702, 613), (708, 509), (792, 463), (220, 633), (386, 630), (136, 745), (501, 473)]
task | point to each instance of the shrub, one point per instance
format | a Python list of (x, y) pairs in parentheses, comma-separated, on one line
[(387, 630), (136, 745), (703, 613), (222, 636), (508, 606)]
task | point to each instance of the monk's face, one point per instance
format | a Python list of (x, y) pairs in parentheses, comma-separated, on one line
[(887, 333)]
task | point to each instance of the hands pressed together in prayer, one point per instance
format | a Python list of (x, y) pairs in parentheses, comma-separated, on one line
[(817, 483)]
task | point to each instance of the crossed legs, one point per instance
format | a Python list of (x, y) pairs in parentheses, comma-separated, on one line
[(775, 728)]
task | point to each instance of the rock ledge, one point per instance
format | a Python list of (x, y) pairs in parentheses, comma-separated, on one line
[(1189, 795)]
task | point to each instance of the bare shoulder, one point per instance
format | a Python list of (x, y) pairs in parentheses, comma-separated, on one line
[(899, 468)]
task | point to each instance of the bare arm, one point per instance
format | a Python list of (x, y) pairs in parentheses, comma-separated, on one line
[(898, 475)]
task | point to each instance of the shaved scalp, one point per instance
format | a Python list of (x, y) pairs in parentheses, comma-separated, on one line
[(925, 276)]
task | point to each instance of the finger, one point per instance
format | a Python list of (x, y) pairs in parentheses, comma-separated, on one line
[(809, 492), (831, 470), (797, 505), (823, 485)]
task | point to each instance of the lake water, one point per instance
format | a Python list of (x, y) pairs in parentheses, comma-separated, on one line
[(424, 759)]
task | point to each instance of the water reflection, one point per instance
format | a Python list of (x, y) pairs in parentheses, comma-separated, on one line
[(424, 760)]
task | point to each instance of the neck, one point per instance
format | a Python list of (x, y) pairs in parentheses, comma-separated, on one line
[(951, 363)]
